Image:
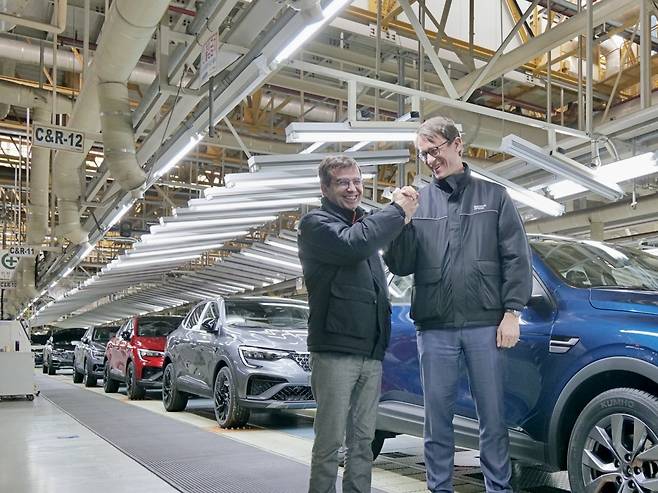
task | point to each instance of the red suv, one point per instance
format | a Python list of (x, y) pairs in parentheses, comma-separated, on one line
[(134, 355)]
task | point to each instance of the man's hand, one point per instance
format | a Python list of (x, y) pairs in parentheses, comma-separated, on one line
[(407, 198), (508, 331)]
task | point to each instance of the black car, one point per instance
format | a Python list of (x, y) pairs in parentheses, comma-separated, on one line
[(37, 343), (58, 351), (89, 354), (244, 353)]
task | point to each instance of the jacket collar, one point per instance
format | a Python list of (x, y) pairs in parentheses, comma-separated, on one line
[(454, 183), (347, 215)]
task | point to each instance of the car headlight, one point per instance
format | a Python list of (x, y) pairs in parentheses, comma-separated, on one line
[(147, 353), (252, 355)]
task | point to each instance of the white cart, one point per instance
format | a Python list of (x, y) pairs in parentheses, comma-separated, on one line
[(16, 361)]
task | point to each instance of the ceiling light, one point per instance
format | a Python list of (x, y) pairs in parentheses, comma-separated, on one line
[(235, 206), (243, 221), (412, 115), (310, 162), (150, 253), (313, 147), (352, 132), (328, 13), (132, 263), (562, 165), (271, 260), (278, 244), (176, 158), (620, 171), (165, 239)]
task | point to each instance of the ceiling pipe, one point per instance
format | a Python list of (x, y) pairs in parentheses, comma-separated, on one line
[(127, 31)]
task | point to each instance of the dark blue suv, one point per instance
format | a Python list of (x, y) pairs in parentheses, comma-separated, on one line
[(582, 384)]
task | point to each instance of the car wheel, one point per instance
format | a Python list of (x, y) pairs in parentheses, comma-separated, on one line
[(77, 376), (88, 379), (613, 443), (109, 386), (134, 390), (172, 399), (228, 412), (51, 369)]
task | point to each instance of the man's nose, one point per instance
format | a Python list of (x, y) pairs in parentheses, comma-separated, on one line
[(351, 185)]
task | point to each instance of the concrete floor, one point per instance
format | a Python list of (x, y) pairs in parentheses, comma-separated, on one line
[(45, 450)]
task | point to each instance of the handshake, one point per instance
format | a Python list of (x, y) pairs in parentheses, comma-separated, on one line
[(407, 198)]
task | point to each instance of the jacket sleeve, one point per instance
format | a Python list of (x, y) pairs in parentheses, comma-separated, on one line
[(515, 257), (335, 242), (400, 256)]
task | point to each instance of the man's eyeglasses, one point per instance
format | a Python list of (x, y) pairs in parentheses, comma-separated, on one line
[(345, 182), (432, 151)]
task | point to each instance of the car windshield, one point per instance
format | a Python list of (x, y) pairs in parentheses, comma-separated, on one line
[(68, 335), (38, 339), (104, 334), (157, 326), (593, 264), (248, 313)]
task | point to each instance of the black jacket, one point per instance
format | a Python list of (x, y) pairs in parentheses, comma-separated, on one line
[(344, 275), (468, 251)]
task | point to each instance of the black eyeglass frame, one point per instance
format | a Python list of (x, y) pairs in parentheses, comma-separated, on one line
[(433, 151)]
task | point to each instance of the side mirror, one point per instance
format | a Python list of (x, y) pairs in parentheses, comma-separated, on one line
[(210, 325)]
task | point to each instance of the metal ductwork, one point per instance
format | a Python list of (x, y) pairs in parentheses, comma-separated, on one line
[(118, 137), (128, 29)]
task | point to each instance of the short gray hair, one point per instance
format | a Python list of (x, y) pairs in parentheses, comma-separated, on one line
[(438, 125), (330, 163)]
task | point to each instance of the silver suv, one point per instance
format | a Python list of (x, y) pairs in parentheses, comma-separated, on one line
[(244, 353)]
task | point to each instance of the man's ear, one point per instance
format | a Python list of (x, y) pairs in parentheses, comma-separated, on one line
[(323, 189)]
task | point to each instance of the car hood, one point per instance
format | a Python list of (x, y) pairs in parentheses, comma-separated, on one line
[(67, 346), (153, 343), (276, 338), (625, 300)]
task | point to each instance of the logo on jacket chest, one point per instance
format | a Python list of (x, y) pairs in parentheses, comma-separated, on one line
[(479, 207)]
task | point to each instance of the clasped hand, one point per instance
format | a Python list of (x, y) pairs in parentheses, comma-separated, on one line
[(407, 198)]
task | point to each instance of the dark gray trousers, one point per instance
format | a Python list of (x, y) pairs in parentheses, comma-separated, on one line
[(346, 388), (440, 351)]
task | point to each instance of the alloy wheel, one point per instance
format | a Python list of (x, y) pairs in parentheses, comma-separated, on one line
[(222, 398), (167, 385), (620, 455)]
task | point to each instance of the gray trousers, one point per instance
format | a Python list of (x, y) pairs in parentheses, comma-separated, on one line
[(346, 388), (440, 351)]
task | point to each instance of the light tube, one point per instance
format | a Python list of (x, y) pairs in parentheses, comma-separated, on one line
[(212, 222), (165, 239), (194, 140), (255, 205), (118, 215), (271, 260), (167, 251), (620, 171), (131, 263), (351, 136), (327, 13), (278, 244), (313, 147)]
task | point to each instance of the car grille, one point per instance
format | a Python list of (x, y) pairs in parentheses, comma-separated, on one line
[(257, 385), (302, 359), (294, 393)]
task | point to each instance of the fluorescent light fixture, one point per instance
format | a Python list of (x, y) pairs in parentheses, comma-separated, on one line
[(237, 206), (133, 263), (358, 146), (243, 221), (271, 260), (413, 115), (562, 165), (313, 147), (67, 272), (173, 161), (652, 251), (351, 132), (308, 163), (328, 13), (119, 214), (166, 239), (620, 171), (168, 251), (87, 250), (284, 246)]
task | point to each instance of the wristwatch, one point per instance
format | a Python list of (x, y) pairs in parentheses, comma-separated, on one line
[(516, 313)]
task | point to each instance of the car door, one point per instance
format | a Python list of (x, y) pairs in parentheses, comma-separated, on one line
[(527, 360), (79, 351), (186, 351), (123, 347), (208, 345)]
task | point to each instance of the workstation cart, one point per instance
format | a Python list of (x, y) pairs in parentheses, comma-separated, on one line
[(16, 361)]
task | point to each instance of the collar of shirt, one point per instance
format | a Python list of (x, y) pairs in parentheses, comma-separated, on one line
[(350, 216), (454, 183)]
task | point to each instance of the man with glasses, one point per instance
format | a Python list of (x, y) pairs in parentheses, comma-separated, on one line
[(470, 257), (349, 321)]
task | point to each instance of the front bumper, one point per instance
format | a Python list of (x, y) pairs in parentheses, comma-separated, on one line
[(62, 360), (151, 377)]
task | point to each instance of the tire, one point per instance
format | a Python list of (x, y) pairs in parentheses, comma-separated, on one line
[(88, 379), (601, 447), (51, 369), (77, 376), (172, 399), (135, 391), (228, 413), (109, 386)]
